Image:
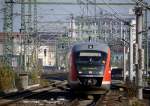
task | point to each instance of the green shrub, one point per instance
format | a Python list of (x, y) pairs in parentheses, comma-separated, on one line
[(135, 102), (34, 74), (7, 77)]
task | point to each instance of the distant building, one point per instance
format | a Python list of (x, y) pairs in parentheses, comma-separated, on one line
[(16, 38), (51, 52), (16, 44), (53, 48)]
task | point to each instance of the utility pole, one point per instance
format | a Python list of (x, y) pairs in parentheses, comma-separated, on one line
[(95, 9), (124, 51), (56, 52), (139, 16), (71, 25), (35, 17), (147, 43), (29, 37), (23, 38), (87, 7), (29, 17), (131, 56), (37, 38), (124, 57)]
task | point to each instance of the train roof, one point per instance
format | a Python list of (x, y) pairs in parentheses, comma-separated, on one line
[(97, 46)]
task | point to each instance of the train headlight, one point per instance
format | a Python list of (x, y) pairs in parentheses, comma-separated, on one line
[(80, 72), (103, 62), (90, 72), (101, 72)]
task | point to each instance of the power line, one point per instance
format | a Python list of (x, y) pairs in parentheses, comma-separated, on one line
[(119, 19), (111, 8)]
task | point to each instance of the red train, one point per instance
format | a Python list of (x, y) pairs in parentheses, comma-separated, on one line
[(89, 66)]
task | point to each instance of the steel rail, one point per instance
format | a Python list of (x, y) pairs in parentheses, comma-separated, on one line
[(25, 94)]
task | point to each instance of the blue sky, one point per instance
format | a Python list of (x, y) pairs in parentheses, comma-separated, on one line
[(62, 12)]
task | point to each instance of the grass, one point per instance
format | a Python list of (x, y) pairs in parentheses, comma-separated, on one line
[(7, 77)]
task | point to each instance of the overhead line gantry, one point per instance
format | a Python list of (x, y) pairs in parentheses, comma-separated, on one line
[(75, 3), (8, 29)]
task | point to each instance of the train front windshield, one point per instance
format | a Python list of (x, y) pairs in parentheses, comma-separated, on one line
[(91, 62)]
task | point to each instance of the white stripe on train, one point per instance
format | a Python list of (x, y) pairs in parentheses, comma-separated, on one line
[(106, 82)]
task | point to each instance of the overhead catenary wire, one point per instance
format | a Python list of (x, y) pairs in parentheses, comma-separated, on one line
[(111, 8), (118, 18)]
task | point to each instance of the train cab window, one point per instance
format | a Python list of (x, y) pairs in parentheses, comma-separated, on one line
[(92, 57), (91, 61)]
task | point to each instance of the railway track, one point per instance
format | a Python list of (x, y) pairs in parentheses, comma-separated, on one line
[(58, 94), (19, 96), (62, 98), (111, 98)]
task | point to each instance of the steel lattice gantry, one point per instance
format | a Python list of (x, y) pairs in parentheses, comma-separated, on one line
[(30, 39), (74, 2), (8, 29)]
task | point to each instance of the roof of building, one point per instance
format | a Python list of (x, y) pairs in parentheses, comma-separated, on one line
[(14, 35)]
